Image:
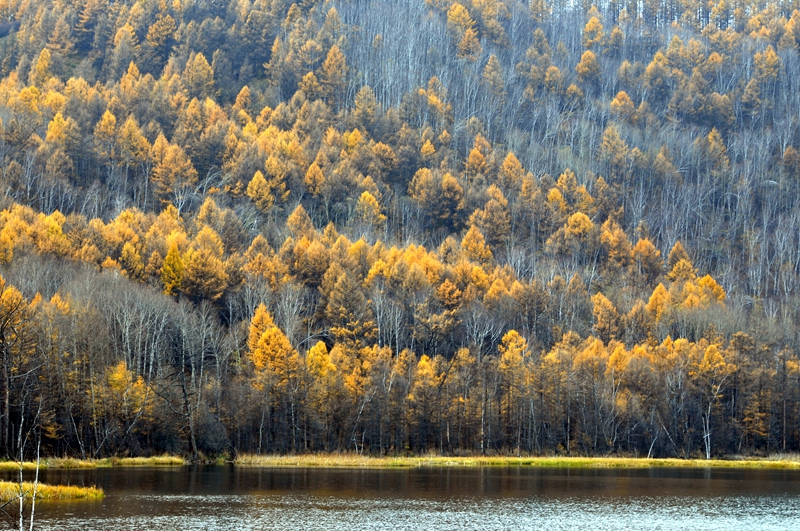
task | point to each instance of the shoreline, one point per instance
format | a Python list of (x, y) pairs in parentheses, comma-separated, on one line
[(781, 462), (358, 461)]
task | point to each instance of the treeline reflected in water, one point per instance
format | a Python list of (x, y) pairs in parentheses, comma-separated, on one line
[(432, 482)]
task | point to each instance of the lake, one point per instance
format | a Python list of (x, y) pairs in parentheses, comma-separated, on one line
[(226, 498)]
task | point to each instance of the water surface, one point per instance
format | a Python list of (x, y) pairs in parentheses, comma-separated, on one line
[(226, 498)]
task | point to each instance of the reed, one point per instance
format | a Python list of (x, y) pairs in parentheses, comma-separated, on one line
[(10, 490), (360, 461)]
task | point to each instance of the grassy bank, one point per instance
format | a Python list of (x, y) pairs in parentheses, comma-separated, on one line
[(359, 461), (67, 462), (10, 489)]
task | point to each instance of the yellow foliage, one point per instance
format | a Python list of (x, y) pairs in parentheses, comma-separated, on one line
[(617, 244), (495, 295), (579, 225), (111, 265), (593, 35), (368, 211), (428, 150), (479, 279), (606, 318), (474, 246), (710, 286), (319, 362), (426, 376), (659, 302), (682, 270), (260, 323), (617, 363), (591, 357), (513, 349), (556, 199), (119, 378)]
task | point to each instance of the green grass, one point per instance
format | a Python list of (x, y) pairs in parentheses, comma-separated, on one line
[(68, 462), (359, 461), (10, 489)]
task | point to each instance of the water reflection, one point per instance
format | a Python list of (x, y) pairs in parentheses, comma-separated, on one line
[(223, 497)]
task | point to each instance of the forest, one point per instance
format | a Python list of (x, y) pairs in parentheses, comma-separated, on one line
[(473, 227)]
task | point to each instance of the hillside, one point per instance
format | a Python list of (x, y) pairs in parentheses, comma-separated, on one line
[(484, 226)]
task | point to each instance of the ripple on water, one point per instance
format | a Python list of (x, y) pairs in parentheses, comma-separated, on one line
[(334, 512)]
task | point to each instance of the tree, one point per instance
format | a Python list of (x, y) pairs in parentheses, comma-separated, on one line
[(459, 21), (172, 270), (622, 107), (469, 47), (314, 179), (368, 211), (511, 173), (14, 321), (494, 219), (105, 133), (366, 108), (173, 177), (133, 150), (204, 275), (440, 198), (593, 36), (679, 264), (676, 254), (493, 77), (41, 73), (647, 260), (351, 319), (275, 360), (606, 319), (126, 52), (616, 244), (514, 356), (659, 303), (199, 77), (588, 69), (713, 372), (131, 261), (332, 77), (614, 153), (325, 384), (657, 81), (474, 246), (266, 194), (160, 38), (300, 224)]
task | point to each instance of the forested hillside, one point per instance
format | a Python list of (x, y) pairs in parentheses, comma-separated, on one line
[(406, 226)]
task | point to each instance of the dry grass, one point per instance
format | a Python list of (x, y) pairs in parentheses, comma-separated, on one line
[(161, 460), (9, 466), (793, 457), (360, 461), (323, 461), (9, 490), (68, 462)]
